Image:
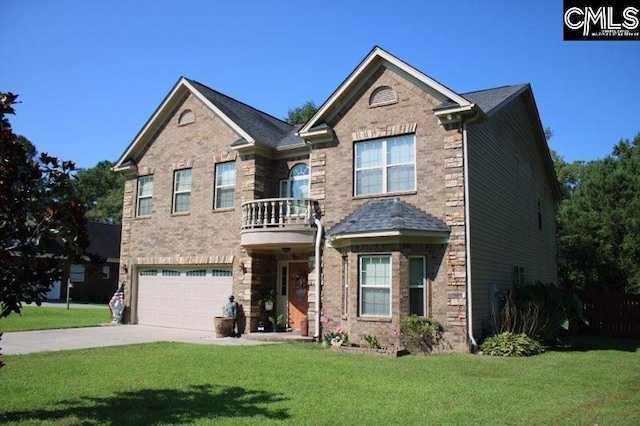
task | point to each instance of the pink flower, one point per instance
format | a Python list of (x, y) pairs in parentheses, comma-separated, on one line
[(340, 329), (394, 331)]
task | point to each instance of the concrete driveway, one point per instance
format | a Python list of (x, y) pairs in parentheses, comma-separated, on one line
[(24, 342)]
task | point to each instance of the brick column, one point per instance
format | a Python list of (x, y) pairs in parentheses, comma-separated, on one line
[(455, 257)]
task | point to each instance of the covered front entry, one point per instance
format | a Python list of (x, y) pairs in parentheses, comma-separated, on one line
[(298, 293), (182, 297)]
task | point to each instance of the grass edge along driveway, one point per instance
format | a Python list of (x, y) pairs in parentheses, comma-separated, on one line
[(35, 317), (598, 381)]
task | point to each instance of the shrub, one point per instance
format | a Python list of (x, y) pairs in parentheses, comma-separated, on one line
[(539, 310), (372, 341), (420, 334), (340, 334), (511, 344)]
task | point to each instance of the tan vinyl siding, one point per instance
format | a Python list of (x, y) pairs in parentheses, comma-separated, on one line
[(506, 178)]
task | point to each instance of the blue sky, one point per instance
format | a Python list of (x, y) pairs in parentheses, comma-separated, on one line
[(90, 73)]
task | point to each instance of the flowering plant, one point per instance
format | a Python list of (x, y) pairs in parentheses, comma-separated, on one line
[(337, 338)]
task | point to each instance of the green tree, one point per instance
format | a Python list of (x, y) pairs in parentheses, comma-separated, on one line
[(101, 191), (568, 174), (302, 114), (41, 219), (599, 222)]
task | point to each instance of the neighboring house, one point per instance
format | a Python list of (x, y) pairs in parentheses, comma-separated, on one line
[(398, 197), (95, 279)]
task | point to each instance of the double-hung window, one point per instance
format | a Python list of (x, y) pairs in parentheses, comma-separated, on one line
[(182, 191), (225, 185), (375, 286), (417, 286), (145, 195), (385, 165)]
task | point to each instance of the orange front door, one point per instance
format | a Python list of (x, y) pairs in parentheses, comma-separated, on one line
[(298, 293)]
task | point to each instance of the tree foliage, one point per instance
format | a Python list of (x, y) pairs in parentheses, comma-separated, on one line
[(302, 114), (41, 219), (599, 221), (101, 191)]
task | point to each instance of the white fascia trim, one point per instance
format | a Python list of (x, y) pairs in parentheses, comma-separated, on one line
[(219, 113), (423, 77), (376, 53), (457, 110), (339, 240), (124, 167), (177, 93), (151, 123), (315, 134)]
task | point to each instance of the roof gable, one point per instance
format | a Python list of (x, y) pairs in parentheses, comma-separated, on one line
[(374, 60), (252, 126)]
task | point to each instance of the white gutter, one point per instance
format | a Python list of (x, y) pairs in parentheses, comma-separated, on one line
[(465, 157), (318, 224)]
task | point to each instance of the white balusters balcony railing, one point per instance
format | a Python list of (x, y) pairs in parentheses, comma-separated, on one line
[(276, 212)]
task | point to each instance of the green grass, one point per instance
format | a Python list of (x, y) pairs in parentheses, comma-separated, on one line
[(44, 318), (597, 382)]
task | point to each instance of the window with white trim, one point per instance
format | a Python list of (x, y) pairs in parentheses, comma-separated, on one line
[(375, 286), (225, 185), (297, 186), (76, 273), (145, 195), (417, 285), (106, 271), (384, 166), (182, 191), (517, 275)]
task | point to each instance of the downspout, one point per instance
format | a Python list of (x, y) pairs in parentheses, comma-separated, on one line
[(465, 156), (318, 224), (316, 221)]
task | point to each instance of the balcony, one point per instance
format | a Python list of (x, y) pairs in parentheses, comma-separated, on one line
[(274, 223)]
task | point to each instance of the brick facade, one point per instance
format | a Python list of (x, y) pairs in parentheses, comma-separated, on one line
[(208, 236), (439, 193)]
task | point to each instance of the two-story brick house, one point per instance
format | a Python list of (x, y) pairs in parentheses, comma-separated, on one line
[(398, 197)]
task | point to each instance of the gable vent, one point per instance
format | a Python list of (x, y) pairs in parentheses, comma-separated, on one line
[(186, 117), (383, 95)]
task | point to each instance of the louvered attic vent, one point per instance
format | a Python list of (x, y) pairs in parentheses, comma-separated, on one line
[(383, 95), (186, 117)]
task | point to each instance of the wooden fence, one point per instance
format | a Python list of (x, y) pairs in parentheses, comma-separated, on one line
[(612, 313)]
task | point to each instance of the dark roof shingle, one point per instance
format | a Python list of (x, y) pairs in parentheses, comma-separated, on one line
[(486, 99), (387, 215), (261, 126)]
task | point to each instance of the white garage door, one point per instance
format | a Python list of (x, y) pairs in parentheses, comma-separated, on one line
[(182, 298)]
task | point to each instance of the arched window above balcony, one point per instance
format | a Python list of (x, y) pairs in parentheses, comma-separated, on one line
[(297, 186)]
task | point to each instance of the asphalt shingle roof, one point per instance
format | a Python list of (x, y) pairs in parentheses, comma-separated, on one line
[(486, 99), (263, 127), (279, 134), (104, 239), (387, 215)]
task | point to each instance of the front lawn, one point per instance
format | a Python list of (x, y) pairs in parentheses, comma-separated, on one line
[(35, 317), (174, 383)]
